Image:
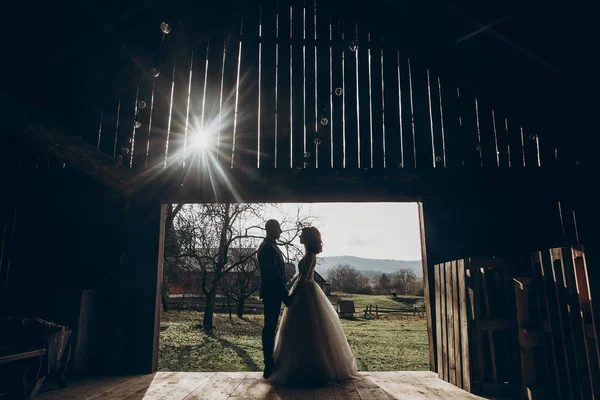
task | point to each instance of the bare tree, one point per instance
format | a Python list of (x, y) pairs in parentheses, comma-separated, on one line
[(243, 281), (384, 283), (403, 279), (345, 278), (207, 234)]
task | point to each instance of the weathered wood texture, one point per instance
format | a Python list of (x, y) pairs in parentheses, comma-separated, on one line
[(300, 85), (478, 325), (417, 385), (558, 328)]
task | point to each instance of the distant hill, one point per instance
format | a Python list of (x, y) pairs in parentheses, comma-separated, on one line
[(369, 266)]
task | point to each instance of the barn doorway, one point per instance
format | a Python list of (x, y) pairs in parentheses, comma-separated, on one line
[(371, 269)]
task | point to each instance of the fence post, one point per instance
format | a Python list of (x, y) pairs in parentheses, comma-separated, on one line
[(366, 309), (376, 311)]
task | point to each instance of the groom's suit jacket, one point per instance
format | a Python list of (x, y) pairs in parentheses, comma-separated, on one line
[(272, 271)]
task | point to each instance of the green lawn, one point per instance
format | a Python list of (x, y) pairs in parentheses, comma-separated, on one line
[(391, 343)]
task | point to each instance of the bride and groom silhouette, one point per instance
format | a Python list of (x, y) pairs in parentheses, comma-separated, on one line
[(310, 346)]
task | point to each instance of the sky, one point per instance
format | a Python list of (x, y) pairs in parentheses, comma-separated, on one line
[(367, 230)]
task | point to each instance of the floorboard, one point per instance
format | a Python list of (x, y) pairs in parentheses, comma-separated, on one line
[(405, 385)]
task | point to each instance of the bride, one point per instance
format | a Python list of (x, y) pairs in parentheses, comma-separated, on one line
[(311, 347)]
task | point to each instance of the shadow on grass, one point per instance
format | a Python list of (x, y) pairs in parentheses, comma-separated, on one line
[(409, 301), (242, 354)]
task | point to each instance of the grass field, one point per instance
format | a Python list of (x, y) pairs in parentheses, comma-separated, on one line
[(391, 343)]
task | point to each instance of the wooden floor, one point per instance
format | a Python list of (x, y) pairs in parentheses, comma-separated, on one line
[(251, 385)]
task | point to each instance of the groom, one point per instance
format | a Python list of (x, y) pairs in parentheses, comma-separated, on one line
[(273, 290)]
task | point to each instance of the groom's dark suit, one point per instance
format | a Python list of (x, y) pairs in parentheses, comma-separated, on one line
[(273, 291)]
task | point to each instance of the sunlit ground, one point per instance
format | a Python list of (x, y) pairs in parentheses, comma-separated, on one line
[(397, 343)]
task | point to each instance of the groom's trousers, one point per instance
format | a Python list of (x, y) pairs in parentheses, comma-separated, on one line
[(272, 311)]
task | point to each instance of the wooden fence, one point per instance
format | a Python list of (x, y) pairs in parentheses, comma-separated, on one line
[(476, 325), (558, 325), (300, 85), (370, 311)]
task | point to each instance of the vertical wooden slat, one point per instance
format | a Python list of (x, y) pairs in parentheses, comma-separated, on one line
[(590, 260), (136, 124), (324, 88), (443, 307), (558, 340), (355, 66), (464, 327), (283, 88), (392, 111), (564, 257), (583, 288), (337, 97), (116, 133), (376, 110), (167, 137), (298, 122), (180, 110), (450, 323), (469, 137), (452, 128), (485, 289), (267, 59), (424, 154), (563, 264), (456, 323), (438, 318), (476, 284), (488, 142), (406, 98), (435, 120), (551, 361), (429, 291), (310, 85), (237, 40), (248, 136)]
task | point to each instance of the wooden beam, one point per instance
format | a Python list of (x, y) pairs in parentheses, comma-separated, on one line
[(429, 291), (41, 131)]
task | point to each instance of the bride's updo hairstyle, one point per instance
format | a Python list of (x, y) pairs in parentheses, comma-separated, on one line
[(312, 239)]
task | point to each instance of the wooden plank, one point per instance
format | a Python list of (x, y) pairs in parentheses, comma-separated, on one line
[(392, 109), (298, 87), (438, 140), (337, 93), (450, 322), (356, 109), (563, 259), (283, 89), (476, 313), (21, 355), (438, 317), (429, 293), (248, 101), (406, 98), (267, 79), (324, 393), (220, 387), (586, 316), (565, 327), (88, 388), (310, 81), (377, 109), (443, 286), (591, 260), (558, 341), (136, 388), (279, 393), (302, 394), (551, 368), (424, 153), (464, 328), (325, 87), (258, 390), (492, 348), (456, 324), (345, 391)]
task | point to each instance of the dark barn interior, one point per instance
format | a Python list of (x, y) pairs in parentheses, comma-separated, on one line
[(485, 114)]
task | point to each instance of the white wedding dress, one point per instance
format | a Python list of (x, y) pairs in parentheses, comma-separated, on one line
[(311, 347)]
